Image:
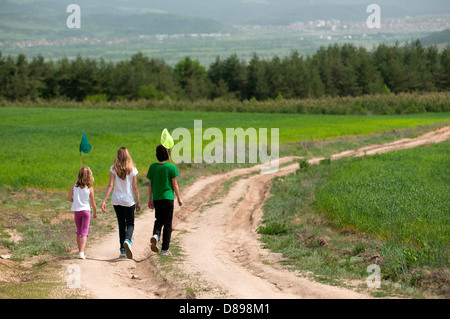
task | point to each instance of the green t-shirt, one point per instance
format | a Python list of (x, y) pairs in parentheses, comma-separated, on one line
[(161, 176)]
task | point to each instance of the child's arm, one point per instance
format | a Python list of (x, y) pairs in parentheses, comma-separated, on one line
[(70, 197), (177, 192), (136, 193), (93, 201), (108, 191), (150, 197)]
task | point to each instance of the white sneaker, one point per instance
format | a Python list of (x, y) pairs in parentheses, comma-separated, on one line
[(166, 253), (127, 244), (154, 241), (81, 255)]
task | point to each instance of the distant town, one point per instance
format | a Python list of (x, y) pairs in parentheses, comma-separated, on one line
[(431, 23), (323, 29)]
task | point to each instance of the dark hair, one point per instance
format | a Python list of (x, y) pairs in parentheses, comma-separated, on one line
[(162, 153)]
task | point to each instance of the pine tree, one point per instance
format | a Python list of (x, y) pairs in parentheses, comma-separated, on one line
[(295, 76), (370, 80), (418, 75), (275, 78), (445, 62), (434, 66), (235, 76), (257, 86), (315, 87), (349, 77), (389, 60), (323, 64), (192, 78)]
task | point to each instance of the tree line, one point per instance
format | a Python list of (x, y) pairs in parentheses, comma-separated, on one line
[(336, 70)]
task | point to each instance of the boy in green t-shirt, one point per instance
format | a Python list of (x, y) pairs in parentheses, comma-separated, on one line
[(161, 186)]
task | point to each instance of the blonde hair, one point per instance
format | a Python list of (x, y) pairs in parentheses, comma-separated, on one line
[(85, 178), (123, 164)]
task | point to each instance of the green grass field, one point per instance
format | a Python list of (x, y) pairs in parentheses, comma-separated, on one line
[(41, 144), (402, 195), (337, 218)]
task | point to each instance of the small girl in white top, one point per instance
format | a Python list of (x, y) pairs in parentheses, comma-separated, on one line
[(123, 175), (80, 194)]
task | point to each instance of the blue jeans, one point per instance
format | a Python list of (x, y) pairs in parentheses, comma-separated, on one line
[(125, 218)]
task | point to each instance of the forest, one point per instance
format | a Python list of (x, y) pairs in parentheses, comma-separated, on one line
[(333, 71)]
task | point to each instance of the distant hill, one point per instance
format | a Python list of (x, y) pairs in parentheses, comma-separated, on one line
[(31, 19), (437, 38), (238, 11), (24, 26)]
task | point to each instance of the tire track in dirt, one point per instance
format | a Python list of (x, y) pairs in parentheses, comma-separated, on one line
[(223, 247), (222, 254)]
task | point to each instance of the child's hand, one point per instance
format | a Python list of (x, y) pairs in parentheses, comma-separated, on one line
[(150, 204), (104, 207), (138, 207), (95, 214), (180, 201)]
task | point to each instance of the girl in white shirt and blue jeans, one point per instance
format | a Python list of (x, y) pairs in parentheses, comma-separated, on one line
[(123, 177)]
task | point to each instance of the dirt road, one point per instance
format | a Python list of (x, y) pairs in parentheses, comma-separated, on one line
[(221, 254)]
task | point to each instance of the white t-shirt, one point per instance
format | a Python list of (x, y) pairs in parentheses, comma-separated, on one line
[(123, 192), (81, 199)]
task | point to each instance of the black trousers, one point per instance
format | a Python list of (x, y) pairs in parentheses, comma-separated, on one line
[(125, 218), (164, 216)]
